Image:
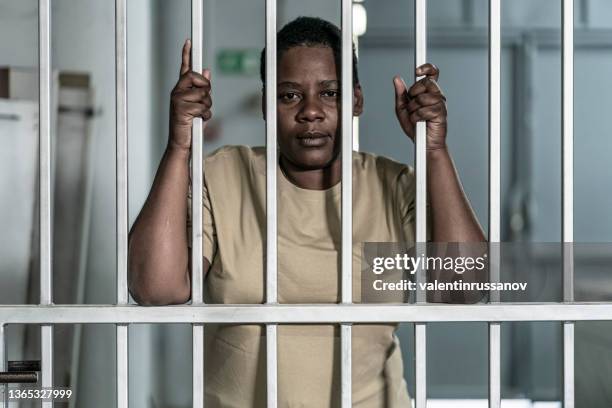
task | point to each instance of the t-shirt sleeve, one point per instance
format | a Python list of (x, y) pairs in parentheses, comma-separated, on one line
[(209, 236), (406, 199)]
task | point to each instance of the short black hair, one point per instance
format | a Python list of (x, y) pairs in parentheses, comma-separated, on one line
[(310, 32)]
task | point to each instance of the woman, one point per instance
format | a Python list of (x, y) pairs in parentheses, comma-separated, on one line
[(309, 176)]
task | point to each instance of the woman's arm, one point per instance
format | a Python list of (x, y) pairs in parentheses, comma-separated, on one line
[(452, 218), (158, 254)]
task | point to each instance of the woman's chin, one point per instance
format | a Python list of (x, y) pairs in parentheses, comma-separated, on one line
[(314, 159)]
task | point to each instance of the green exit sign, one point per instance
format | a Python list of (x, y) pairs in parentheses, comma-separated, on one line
[(238, 61)]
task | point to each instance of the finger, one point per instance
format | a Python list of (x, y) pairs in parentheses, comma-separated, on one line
[(198, 95), (206, 74), (429, 70), (401, 95), (192, 79), (186, 58), (424, 85), (428, 113), (424, 99), (196, 110)]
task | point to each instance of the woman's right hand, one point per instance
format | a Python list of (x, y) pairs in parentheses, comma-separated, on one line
[(189, 99)]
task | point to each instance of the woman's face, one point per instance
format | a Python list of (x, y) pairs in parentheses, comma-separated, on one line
[(309, 105)]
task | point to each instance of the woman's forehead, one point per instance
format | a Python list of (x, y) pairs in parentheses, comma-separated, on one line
[(303, 62)]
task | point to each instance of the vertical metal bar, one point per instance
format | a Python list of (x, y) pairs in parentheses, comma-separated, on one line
[(196, 160), (46, 278), (420, 329), (567, 98), (197, 169), (271, 203), (3, 366), (121, 197), (347, 198), (494, 194)]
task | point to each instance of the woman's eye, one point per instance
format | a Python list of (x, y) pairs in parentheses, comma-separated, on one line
[(289, 96), (330, 93)]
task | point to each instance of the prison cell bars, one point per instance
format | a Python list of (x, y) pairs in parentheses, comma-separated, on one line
[(122, 315), (494, 194), (420, 328), (46, 277), (271, 207), (197, 168), (567, 180)]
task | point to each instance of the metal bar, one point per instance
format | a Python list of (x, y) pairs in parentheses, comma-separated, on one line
[(346, 385), (23, 377), (198, 365), (271, 202), (46, 277), (122, 148), (28, 365), (197, 180), (420, 329), (122, 331), (494, 194), (271, 364), (307, 313), (3, 359), (567, 100), (46, 342), (196, 161), (568, 365), (347, 152), (495, 365)]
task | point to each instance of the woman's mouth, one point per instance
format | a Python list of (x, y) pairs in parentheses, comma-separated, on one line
[(313, 139)]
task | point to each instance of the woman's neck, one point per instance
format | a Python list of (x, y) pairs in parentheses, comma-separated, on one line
[(313, 179)]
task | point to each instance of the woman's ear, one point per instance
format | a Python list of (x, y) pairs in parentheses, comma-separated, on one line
[(357, 100)]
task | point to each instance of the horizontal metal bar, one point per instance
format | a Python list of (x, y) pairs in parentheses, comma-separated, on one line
[(25, 377), (28, 365), (308, 313)]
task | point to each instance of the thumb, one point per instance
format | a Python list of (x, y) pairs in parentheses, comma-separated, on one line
[(206, 73), (400, 91)]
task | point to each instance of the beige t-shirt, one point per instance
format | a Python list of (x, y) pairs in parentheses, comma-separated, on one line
[(309, 247)]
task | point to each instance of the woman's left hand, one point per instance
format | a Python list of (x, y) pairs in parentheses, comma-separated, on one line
[(424, 101)]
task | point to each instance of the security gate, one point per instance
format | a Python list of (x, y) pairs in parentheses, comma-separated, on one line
[(272, 313)]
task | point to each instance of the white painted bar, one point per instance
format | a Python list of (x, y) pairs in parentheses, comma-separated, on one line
[(122, 148), (196, 160), (567, 100), (3, 366), (494, 194), (122, 330), (307, 313), (198, 365), (271, 202), (346, 386), (272, 365), (197, 180), (46, 245), (420, 329)]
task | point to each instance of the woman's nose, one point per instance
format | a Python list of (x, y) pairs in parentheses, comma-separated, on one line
[(311, 110)]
